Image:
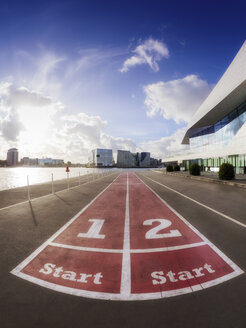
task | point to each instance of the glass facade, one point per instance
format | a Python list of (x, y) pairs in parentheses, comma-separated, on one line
[(213, 164), (102, 157), (217, 137), (220, 134), (210, 145)]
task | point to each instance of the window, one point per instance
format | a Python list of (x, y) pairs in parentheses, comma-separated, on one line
[(220, 133)]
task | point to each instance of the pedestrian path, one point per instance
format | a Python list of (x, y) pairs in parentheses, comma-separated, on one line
[(15, 196), (239, 181), (127, 244)]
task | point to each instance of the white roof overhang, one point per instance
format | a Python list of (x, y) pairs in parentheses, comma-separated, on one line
[(228, 93), (234, 99)]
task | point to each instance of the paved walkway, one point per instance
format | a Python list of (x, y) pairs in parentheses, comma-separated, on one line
[(239, 181), (17, 195), (105, 263), (26, 226)]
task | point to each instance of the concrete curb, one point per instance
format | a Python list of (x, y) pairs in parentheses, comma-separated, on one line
[(202, 178)]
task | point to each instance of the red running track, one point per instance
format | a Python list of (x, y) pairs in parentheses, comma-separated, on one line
[(127, 244)]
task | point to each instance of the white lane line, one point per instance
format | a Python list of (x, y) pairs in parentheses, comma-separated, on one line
[(203, 205), (118, 297), (237, 270), (87, 249), (141, 296), (167, 249), (125, 288), (157, 171), (37, 198), (120, 251), (19, 267)]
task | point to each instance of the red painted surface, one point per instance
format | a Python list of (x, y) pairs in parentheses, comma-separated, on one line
[(143, 265), (110, 206), (145, 205), (79, 262), (149, 271)]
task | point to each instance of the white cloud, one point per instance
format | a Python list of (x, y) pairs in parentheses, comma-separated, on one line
[(149, 52), (92, 58), (24, 110), (116, 143), (177, 99), (41, 71), (37, 126), (48, 63), (11, 126), (166, 145)]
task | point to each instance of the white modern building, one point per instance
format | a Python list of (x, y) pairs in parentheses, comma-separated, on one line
[(12, 157), (217, 132), (101, 157)]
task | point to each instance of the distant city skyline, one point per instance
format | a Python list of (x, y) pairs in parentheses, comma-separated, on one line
[(76, 76), (12, 156)]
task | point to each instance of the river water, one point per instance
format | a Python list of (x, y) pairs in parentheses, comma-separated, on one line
[(13, 177)]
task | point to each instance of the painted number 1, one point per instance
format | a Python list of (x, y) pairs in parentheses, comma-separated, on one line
[(94, 231), (163, 224)]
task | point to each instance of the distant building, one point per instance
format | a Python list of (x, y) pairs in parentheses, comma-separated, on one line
[(50, 162), (12, 157), (29, 161), (155, 162), (101, 157), (125, 158), (57, 162), (144, 159), (45, 161)]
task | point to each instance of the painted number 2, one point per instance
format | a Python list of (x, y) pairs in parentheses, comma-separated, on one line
[(163, 224), (94, 231)]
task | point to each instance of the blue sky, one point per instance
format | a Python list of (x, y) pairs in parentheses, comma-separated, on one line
[(75, 75)]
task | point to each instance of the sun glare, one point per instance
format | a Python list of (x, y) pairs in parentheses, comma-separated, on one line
[(37, 123)]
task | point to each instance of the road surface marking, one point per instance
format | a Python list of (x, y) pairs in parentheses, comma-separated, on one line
[(233, 265), (171, 264), (145, 250), (88, 249), (167, 249), (42, 247), (125, 289)]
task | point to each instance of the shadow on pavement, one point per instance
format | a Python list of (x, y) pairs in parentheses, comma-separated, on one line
[(33, 214)]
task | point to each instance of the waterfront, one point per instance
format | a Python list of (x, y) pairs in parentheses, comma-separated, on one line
[(13, 177)]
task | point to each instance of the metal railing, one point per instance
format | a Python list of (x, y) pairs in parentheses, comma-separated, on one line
[(89, 177)]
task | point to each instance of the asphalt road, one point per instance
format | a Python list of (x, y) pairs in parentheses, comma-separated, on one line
[(24, 227)]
